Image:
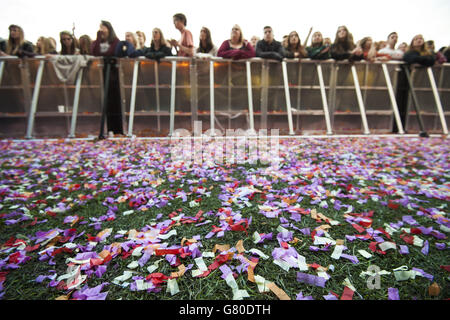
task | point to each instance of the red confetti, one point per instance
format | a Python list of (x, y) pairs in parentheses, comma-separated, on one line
[(347, 294)]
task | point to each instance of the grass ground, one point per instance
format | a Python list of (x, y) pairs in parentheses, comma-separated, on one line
[(380, 188)]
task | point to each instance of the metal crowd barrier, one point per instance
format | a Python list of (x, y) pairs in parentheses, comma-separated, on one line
[(296, 97), (433, 97)]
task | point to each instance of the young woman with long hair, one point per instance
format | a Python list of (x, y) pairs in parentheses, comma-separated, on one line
[(158, 47), (236, 47), (344, 47), (206, 45), (44, 46), (85, 43), (318, 50), (294, 48), (132, 38), (141, 38), (418, 53), (17, 45), (69, 44)]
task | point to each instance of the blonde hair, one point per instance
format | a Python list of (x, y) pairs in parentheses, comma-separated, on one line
[(423, 50), (46, 46), (12, 47), (241, 37), (141, 34), (135, 43)]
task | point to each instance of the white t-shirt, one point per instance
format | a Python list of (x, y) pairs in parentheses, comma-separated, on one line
[(104, 46), (395, 54)]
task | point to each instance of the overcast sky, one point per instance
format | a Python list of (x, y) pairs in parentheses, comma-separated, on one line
[(363, 18)]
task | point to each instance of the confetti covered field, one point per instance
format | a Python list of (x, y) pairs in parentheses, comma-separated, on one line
[(339, 218)]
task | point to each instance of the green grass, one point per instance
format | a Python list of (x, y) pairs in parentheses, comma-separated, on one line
[(20, 283)]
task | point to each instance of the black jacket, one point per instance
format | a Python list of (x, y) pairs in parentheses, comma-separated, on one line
[(337, 54), (273, 50), (152, 53), (25, 50), (413, 56), (2, 44)]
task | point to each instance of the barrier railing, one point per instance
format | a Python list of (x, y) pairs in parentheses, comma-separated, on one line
[(158, 97), (433, 97)]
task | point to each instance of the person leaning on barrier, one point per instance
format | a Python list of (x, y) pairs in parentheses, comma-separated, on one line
[(440, 58), (44, 47), (85, 43), (69, 44), (394, 54), (236, 47), (294, 48), (417, 53), (141, 38), (343, 47), (184, 47), (132, 38), (440, 55), (370, 52), (206, 47), (318, 49), (17, 45), (268, 47), (158, 47), (380, 45), (127, 47)]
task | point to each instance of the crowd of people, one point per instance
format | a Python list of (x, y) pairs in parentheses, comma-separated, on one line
[(236, 47)]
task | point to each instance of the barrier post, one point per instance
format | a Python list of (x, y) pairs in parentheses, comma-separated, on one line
[(211, 96), (360, 101), (158, 105), (193, 79), (265, 67), (172, 97), (332, 91), (106, 64), (2, 66), (393, 100), (422, 133), (133, 98), (288, 97), (250, 96), (438, 100), (324, 99), (76, 101), (34, 100)]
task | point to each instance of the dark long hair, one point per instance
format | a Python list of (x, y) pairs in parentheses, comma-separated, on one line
[(346, 44), (209, 43), (85, 44), (73, 46), (112, 35), (298, 48)]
